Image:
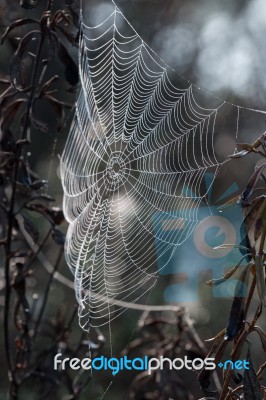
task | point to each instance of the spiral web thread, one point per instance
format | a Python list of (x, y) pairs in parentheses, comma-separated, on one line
[(140, 144)]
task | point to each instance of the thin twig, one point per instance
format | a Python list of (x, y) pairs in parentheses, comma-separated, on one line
[(46, 293), (8, 247)]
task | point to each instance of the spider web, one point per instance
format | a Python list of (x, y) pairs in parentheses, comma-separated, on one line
[(140, 143)]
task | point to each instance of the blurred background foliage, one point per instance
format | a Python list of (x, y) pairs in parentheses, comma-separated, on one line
[(217, 45)]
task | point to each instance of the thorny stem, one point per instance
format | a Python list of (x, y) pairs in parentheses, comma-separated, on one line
[(8, 247)]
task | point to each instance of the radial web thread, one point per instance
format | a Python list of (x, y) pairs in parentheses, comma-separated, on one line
[(141, 141)]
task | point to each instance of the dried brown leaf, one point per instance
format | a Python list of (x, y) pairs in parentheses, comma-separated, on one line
[(236, 316), (246, 194), (252, 388), (260, 278)]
